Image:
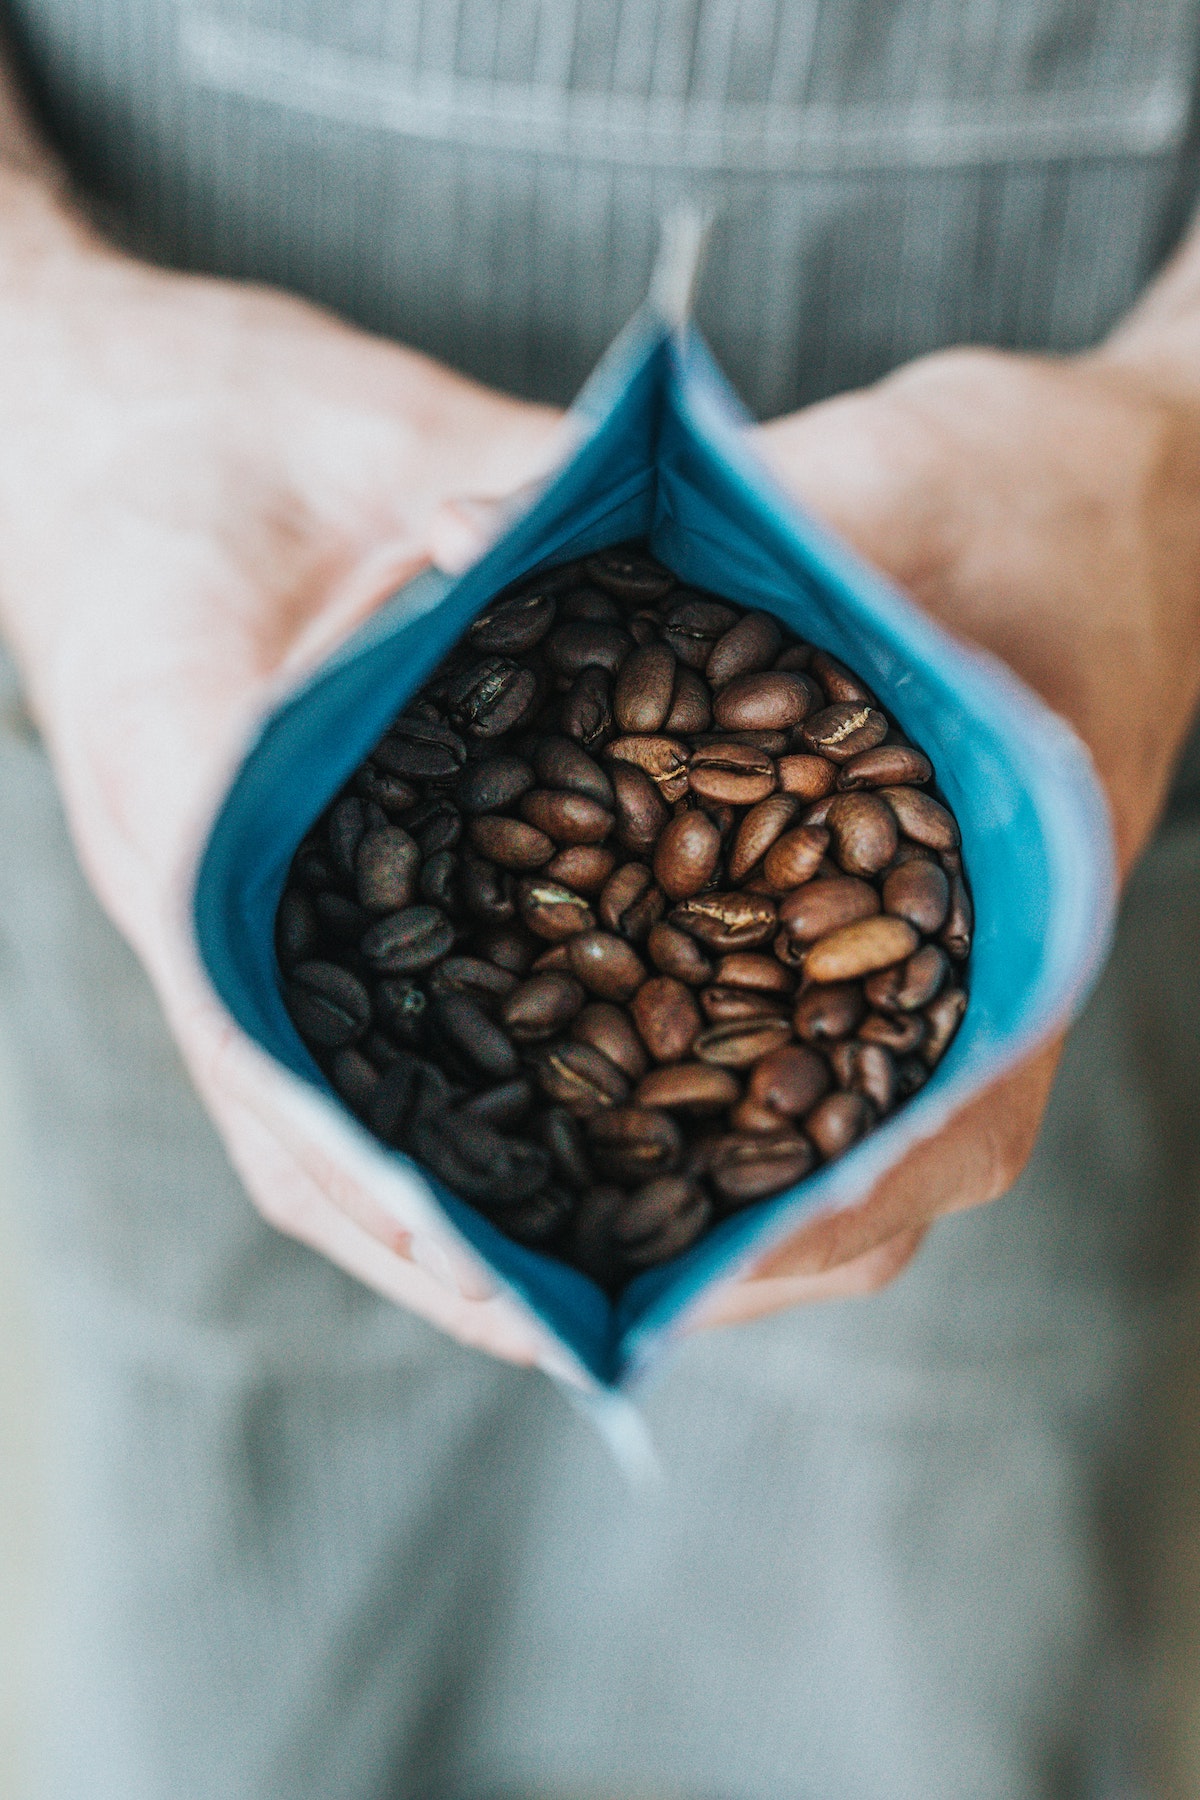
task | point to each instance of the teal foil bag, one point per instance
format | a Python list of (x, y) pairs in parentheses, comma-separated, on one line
[(664, 451)]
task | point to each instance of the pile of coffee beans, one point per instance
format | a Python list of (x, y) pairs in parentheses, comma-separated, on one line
[(640, 911)]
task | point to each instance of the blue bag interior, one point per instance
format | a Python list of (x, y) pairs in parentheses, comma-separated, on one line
[(665, 455)]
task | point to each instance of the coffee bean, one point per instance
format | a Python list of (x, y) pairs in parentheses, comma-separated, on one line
[(422, 748), (329, 1006), (752, 644), (634, 1143), (347, 822), (566, 818), (608, 1028), (733, 921), (583, 867), (554, 961), (663, 759), (338, 919), (759, 829), (586, 711), (493, 783), (736, 1043), (590, 603), (514, 626), (462, 1023), (691, 704), (673, 952), (537, 1221), (542, 1006), (907, 986), (960, 920), (751, 970), (911, 1075), (942, 1019), (838, 681), (580, 1078), (621, 906), (922, 818), (687, 853), (406, 941), (826, 904), (721, 1002), (866, 1068), (795, 857), (592, 1245), (439, 880), (807, 777), (750, 1167), (510, 842), (691, 1087), (644, 690), (486, 890), (295, 928), (731, 774), (918, 892), (563, 1139), (559, 762), (508, 947), (749, 1116), (772, 701), (842, 731), (661, 1219), (860, 948), (885, 766), (436, 825), (385, 865), (630, 575), (401, 1007), (825, 1014), (389, 791), (473, 975), (838, 1122), (641, 811), (692, 627), (863, 831), (608, 967), (789, 1081), (492, 696), (667, 1017), (900, 1033), (552, 911), (579, 645), (355, 1077)]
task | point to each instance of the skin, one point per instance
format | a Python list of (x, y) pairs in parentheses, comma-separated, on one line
[(204, 486)]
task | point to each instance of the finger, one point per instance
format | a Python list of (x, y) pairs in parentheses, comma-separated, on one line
[(866, 1274)]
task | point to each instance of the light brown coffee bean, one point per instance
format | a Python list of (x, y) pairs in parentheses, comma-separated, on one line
[(759, 973), (552, 911), (584, 867), (609, 1029), (901, 1033), (922, 818), (634, 1143), (720, 1002), (795, 857), (641, 810), (687, 853), (736, 1043), (863, 832), (867, 1069), (673, 952), (645, 688), (608, 967), (734, 921), (731, 774), (825, 1014), (751, 1167), (942, 1018), (909, 985), (691, 704), (836, 1123), (859, 949), (789, 1080), (752, 644), (565, 817), (578, 1077), (824, 904), (840, 732), (960, 920), (919, 892), (807, 777), (838, 681), (541, 1006), (885, 766), (772, 701), (748, 1115), (667, 1017), (691, 1087), (510, 842), (385, 866), (663, 759), (559, 762), (758, 830)]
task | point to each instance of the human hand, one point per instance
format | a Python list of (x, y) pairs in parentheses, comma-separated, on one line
[(1049, 511), (203, 487)]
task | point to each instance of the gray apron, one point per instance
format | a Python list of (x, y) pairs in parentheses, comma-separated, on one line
[(304, 1548)]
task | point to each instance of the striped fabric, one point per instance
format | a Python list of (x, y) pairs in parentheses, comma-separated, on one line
[(484, 177)]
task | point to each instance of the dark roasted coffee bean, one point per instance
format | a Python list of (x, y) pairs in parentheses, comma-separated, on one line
[(901, 1033), (583, 867), (541, 1006), (345, 827), (795, 857), (391, 1099), (737, 1043), (385, 867), (824, 904), (355, 1077), (911, 1075), (475, 976), (564, 1140), (608, 1028), (735, 921), (580, 1078), (645, 687), (460, 1021), (789, 1080), (586, 711), (663, 759), (691, 704), (421, 747), (313, 869), (439, 881), (559, 762), (754, 971), (661, 1219), (687, 854), (759, 829), (295, 928), (565, 817), (579, 645), (643, 628), (942, 1019), (692, 627), (863, 833), (673, 952), (960, 920), (919, 892), (825, 1014), (807, 777), (607, 965), (487, 891), (838, 681), (551, 911), (885, 766), (868, 1069), (752, 644), (538, 1221), (860, 949), (622, 904), (731, 774), (922, 818), (339, 920), (641, 811), (796, 656), (510, 842), (591, 1243), (510, 947), (493, 783), (909, 985), (478, 1161), (402, 1008), (504, 1105), (392, 792), (403, 942), (771, 701), (329, 1006), (590, 603), (749, 1168), (634, 1143), (721, 1002), (492, 696), (842, 731), (667, 1017), (696, 1088), (436, 824), (629, 575), (510, 627), (838, 1122)]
